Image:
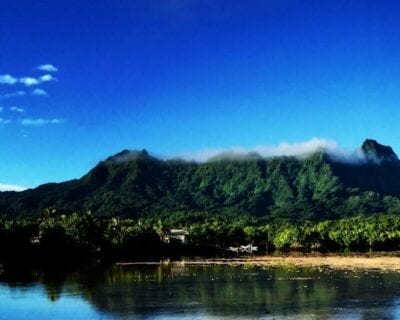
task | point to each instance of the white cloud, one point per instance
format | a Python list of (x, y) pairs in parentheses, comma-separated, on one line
[(39, 92), (300, 150), (4, 121), (46, 77), (29, 81), (17, 109), (7, 79), (48, 68), (12, 94), (37, 122), (11, 187)]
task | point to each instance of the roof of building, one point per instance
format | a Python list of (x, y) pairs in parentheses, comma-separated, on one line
[(178, 232)]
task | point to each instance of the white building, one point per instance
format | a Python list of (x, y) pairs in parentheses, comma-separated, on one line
[(176, 234)]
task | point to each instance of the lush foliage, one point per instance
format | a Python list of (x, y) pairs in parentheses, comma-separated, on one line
[(285, 203), (134, 184), (60, 237)]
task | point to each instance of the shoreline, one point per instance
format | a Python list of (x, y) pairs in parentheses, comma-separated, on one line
[(344, 262)]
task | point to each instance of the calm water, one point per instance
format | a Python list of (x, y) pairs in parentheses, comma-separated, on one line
[(201, 292)]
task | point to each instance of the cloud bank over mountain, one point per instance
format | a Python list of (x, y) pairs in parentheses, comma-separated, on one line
[(297, 149), (11, 187)]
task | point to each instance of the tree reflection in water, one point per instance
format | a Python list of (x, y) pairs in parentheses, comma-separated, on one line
[(222, 291)]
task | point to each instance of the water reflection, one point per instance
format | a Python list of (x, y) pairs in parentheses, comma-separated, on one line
[(203, 292)]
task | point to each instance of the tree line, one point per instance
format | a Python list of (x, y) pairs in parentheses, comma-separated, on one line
[(76, 237)]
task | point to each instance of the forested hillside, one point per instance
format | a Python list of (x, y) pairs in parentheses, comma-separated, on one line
[(135, 184)]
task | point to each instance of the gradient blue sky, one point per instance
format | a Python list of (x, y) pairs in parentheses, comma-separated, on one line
[(174, 76)]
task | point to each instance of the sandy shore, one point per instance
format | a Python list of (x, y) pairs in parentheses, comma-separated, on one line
[(332, 261)]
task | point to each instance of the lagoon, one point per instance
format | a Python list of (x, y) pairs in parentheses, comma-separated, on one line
[(174, 291)]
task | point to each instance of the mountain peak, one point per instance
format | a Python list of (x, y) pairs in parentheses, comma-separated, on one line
[(378, 152), (128, 155)]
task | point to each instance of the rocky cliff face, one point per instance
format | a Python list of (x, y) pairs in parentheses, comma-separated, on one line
[(378, 152)]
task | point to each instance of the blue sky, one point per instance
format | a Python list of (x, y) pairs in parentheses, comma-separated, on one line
[(81, 80)]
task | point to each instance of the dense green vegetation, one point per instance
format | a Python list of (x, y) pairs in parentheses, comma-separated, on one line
[(136, 185), (70, 238), (286, 203)]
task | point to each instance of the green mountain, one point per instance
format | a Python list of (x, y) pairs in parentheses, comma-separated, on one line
[(134, 184)]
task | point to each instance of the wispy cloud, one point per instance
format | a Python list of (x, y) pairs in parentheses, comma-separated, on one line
[(37, 122), (4, 121), (299, 149), (283, 149), (19, 93), (46, 77), (48, 68), (29, 81), (8, 79), (11, 187), (39, 92), (17, 109)]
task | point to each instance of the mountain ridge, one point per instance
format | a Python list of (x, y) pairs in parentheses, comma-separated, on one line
[(135, 184)]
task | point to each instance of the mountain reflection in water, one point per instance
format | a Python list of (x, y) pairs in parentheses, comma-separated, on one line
[(200, 292)]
